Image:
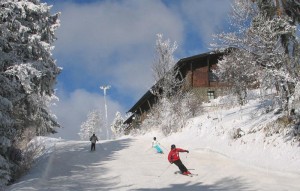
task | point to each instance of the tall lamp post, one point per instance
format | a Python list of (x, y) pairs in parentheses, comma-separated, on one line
[(104, 88)]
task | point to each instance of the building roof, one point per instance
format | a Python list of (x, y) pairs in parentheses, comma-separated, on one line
[(141, 100)]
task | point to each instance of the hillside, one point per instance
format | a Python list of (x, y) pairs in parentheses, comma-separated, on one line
[(255, 161)]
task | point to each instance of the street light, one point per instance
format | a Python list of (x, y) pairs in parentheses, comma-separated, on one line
[(104, 88)]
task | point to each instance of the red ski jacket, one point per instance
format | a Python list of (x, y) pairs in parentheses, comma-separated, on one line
[(174, 154)]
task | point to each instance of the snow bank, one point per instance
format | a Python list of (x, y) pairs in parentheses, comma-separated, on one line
[(254, 146)]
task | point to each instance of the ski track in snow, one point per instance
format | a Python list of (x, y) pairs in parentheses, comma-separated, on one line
[(130, 164)]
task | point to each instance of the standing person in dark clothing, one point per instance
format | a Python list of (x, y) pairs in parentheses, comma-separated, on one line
[(173, 157), (93, 140)]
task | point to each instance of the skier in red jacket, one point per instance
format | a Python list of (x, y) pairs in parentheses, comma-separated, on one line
[(173, 157)]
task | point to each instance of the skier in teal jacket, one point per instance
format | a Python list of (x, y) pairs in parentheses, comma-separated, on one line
[(155, 144)]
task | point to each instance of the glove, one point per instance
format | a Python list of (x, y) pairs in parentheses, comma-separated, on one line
[(187, 151), (171, 162)]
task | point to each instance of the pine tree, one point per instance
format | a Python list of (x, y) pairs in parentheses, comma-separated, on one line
[(27, 74)]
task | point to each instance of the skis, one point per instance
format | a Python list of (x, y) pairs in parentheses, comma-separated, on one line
[(190, 175)]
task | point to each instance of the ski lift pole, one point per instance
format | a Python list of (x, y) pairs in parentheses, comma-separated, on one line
[(165, 170)]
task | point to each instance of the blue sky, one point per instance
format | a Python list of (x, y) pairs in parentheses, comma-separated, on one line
[(113, 42)]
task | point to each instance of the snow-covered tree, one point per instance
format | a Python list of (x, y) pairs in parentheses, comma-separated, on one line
[(174, 106), (118, 127), (93, 124), (170, 115), (260, 37), (290, 8), (27, 74), (234, 70), (166, 76)]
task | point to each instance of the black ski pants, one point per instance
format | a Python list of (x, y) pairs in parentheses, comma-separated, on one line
[(93, 146), (181, 167)]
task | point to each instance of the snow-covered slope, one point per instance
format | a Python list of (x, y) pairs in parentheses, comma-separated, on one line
[(129, 164), (252, 162)]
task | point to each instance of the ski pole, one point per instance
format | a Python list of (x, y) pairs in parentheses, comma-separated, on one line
[(164, 171), (164, 147), (148, 149), (101, 146)]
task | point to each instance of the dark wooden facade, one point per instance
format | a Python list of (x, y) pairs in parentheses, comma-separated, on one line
[(198, 77)]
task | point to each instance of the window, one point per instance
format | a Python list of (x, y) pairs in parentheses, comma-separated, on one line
[(211, 95), (212, 77)]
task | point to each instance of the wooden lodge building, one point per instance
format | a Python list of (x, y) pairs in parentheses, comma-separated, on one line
[(198, 78)]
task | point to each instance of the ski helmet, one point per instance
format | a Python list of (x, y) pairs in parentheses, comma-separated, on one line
[(173, 146)]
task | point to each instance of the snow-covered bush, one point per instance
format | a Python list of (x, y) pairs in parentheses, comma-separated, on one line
[(5, 174), (170, 114), (227, 101), (236, 133), (296, 131), (118, 127), (284, 126)]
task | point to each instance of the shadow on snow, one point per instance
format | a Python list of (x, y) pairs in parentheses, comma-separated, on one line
[(73, 167), (225, 184)]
